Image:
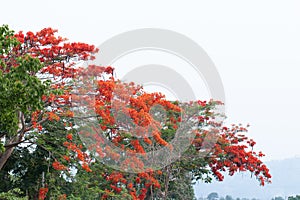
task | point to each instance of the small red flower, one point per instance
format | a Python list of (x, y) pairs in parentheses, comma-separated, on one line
[(130, 185), (86, 167), (58, 166), (69, 136), (67, 158), (43, 193), (109, 70)]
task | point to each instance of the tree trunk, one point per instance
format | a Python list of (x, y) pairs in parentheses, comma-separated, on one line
[(9, 147), (4, 156)]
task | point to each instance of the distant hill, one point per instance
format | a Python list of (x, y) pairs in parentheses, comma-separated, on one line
[(285, 182)]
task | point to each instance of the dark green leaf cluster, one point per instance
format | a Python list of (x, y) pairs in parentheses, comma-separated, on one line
[(20, 88)]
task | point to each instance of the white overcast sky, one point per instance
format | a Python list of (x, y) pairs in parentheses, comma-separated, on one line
[(255, 46)]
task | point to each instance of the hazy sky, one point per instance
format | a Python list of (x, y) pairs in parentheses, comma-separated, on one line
[(255, 46)]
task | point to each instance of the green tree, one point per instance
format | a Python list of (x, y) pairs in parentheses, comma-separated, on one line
[(278, 198), (213, 196), (20, 92), (297, 197), (228, 197)]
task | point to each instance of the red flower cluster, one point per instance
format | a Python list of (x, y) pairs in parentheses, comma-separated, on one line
[(86, 167), (69, 136), (58, 166), (230, 153), (43, 193)]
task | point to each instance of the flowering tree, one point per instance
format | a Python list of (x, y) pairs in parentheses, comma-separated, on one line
[(45, 93)]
